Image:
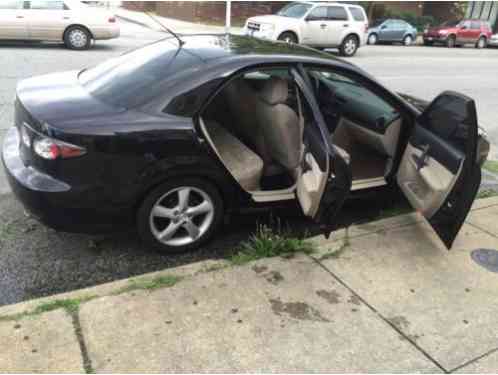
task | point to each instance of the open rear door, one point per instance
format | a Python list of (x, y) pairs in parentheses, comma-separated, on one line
[(324, 177), (438, 173)]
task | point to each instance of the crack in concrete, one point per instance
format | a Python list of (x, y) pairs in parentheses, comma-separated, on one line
[(87, 362), (473, 360), (409, 338)]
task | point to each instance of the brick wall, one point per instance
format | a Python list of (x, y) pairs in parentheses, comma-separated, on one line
[(208, 11)]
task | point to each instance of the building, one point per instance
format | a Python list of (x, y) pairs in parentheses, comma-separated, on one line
[(484, 10)]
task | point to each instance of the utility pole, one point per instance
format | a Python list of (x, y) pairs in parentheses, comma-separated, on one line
[(228, 16)]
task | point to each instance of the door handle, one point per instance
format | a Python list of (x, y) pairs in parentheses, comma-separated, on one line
[(345, 25), (66, 18), (421, 161), (19, 16), (323, 25)]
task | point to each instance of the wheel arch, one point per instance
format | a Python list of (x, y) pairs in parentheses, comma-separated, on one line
[(225, 187), (296, 34), (76, 25), (356, 35)]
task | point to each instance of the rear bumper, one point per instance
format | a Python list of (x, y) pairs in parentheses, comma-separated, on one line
[(107, 32), (55, 203)]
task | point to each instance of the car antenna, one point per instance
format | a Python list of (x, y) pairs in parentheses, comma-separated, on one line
[(167, 29)]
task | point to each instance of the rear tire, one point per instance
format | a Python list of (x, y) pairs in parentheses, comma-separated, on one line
[(349, 46), (407, 40), (77, 38), (170, 224), (481, 43), (288, 37)]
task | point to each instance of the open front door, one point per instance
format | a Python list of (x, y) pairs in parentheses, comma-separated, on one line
[(438, 173), (324, 176)]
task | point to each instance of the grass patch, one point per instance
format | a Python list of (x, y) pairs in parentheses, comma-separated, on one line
[(166, 281), (491, 166), (268, 243), (487, 193), (70, 305)]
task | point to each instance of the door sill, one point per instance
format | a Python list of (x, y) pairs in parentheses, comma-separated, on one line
[(368, 183)]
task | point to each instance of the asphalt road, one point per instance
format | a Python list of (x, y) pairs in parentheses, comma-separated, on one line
[(36, 261)]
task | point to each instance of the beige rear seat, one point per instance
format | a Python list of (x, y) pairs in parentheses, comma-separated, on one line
[(245, 165)]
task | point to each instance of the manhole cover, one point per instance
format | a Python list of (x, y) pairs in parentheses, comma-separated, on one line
[(486, 258)]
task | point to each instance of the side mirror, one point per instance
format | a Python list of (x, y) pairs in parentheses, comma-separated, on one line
[(310, 18), (383, 27), (463, 27)]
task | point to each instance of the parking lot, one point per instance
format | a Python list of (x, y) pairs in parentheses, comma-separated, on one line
[(36, 261)]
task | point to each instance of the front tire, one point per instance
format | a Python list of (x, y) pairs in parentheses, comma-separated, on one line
[(288, 37), (77, 38), (349, 46), (180, 215), (481, 43)]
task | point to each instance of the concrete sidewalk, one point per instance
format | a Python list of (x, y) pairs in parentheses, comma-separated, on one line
[(379, 297), (178, 26)]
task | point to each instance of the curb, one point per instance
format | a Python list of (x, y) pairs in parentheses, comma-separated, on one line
[(191, 270)]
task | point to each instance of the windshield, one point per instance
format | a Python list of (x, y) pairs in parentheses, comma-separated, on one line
[(137, 77), (378, 22), (451, 23), (294, 10)]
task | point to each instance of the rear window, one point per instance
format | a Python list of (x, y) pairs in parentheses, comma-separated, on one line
[(357, 14), (337, 14), (140, 76)]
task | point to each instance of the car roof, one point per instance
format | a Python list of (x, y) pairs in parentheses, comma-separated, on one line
[(328, 3), (216, 48)]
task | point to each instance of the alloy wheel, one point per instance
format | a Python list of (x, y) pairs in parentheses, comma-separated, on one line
[(181, 216), (350, 47), (408, 40), (372, 39), (78, 38)]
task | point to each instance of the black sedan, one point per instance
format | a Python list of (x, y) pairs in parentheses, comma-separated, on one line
[(172, 137)]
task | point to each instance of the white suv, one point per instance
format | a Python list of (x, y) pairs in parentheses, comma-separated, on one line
[(321, 25)]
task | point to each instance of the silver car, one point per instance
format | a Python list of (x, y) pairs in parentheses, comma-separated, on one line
[(68, 21)]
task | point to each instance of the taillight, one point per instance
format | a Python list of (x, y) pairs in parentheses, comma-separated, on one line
[(112, 19), (365, 27), (51, 149)]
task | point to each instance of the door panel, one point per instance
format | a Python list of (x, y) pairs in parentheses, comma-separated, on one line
[(428, 171), (324, 180), (47, 20), (13, 21), (438, 173)]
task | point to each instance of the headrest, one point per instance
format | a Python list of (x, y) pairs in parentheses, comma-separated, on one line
[(275, 91)]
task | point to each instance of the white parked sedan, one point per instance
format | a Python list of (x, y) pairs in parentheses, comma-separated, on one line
[(67, 21)]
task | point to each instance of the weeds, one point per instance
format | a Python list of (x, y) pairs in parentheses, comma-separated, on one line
[(70, 305), (166, 281), (487, 193), (267, 243), (491, 166)]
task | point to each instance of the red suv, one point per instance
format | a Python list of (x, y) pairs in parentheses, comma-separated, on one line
[(453, 33)]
